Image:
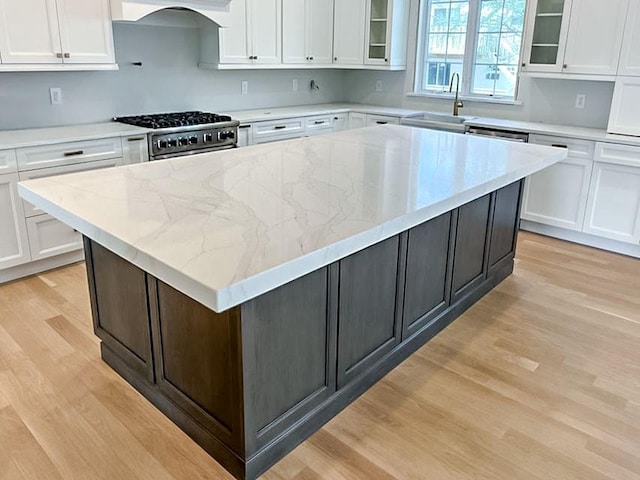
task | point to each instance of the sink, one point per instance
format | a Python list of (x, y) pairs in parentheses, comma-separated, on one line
[(436, 121)]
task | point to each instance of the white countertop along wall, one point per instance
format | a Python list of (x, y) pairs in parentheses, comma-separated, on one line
[(228, 226)]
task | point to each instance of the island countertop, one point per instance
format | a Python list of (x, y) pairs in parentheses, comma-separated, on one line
[(226, 227)]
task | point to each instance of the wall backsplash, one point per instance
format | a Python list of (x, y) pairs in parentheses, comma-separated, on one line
[(169, 80)]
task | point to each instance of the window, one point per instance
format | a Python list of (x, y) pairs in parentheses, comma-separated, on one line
[(478, 39)]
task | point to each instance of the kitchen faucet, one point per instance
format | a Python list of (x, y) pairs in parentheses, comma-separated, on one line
[(457, 103)]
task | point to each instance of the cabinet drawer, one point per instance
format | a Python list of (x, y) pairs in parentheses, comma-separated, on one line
[(30, 210), (382, 120), (577, 148), (34, 158), (318, 125), (618, 154), (278, 130), (49, 237), (8, 163)]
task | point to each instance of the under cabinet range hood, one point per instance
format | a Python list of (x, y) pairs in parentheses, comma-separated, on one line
[(133, 10)]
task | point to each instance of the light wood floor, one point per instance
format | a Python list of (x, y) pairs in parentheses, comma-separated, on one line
[(540, 380)]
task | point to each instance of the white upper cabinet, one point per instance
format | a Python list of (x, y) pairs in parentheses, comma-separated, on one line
[(307, 32), (348, 32), (29, 32), (625, 115), (595, 36), (386, 33), (630, 56), (580, 37), (63, 32), (254, 35)]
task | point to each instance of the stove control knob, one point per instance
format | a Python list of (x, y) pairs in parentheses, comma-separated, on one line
[(208, 137), (231, 135), (193, 140), (172, 142), (162, 144), (183, 141)]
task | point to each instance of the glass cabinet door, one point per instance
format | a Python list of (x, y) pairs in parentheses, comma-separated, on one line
[(547, 35), (377, 41)]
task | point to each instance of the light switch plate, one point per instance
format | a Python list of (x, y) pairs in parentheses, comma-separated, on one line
[(379, 86), (55, 95), (244, 87), (581, 101), (294, 84)]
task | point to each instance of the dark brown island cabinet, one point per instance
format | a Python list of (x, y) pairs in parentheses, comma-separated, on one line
[(251, 383)]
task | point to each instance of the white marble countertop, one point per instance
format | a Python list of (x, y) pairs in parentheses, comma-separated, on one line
[(32, 137), (228, 226), (264, 114), (583, 133)]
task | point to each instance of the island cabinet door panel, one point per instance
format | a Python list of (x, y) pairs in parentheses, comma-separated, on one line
[(470, 260), (368, 320), (504, 227), (120, 308), (198, 361), (427, 283), (289, 355)]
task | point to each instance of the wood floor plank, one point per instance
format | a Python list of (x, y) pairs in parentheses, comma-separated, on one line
[(538, 381)]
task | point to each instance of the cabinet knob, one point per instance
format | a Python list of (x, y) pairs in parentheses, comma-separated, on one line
[(335, 59), (565, 66), (524, 65), (310, 58), (59, 55), (67, 55), (386, 59)]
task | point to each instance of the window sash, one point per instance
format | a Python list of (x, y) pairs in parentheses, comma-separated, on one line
[(470, 55)]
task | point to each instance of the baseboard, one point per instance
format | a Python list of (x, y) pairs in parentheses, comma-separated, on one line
[(582, 238), (33, 268)]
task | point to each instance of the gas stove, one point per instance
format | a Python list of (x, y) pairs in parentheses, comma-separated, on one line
[(185, 133)]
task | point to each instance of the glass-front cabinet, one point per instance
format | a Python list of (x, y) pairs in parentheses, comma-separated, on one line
[(386, 33), (548, 24)]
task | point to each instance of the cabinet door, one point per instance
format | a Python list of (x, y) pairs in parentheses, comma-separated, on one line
[(8, 162), (595, 36), (29, 31), (470, 260), (557, 195), (86, 31), (49, 237), (266, 30), (234, 41), (14, 246), (630, 55), (504, 227), (613, 210), (357, 120), (546, 35), (348, 32), (625, 116), (294, 48), (134, 150), (340, 122), (427, 283), (320, 31), (378, 31), (367, 314)]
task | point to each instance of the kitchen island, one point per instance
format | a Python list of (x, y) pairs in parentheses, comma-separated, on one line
[(252, 294)]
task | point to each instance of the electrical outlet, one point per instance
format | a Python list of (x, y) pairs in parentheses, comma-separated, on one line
[(245, 87), (379, 86), (581, 101), (294, 85), (55, 95)]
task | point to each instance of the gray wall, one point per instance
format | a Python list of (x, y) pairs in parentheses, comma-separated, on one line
[(169, 80)]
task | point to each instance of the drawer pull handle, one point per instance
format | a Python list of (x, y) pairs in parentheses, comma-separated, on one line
[(380, 122), (279, 127), (135, 139), (75, 153), (244, 126), (559, 145), (319, 122)]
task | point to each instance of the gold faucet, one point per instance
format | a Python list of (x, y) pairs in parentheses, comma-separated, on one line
[(457, 103)]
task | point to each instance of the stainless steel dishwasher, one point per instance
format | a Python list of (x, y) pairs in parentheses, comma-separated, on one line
[(502, 134)]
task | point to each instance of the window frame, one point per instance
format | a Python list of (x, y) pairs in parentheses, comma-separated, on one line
[(471, 41)]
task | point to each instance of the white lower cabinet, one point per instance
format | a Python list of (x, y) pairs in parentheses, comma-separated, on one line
[(340, 122), (373, 120), (613, 209), (557, 195), (14, 246), (276, 130), (320, 125), (135, 149), (357, 120), (49, 237), (245, 134)]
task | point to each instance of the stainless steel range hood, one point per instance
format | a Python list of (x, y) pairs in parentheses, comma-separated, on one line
[(133, 10)]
